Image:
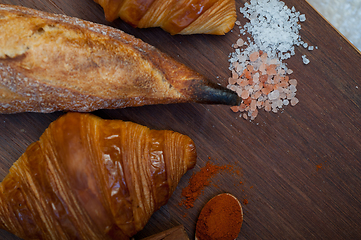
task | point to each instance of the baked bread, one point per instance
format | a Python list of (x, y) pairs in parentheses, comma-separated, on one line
[(53, 62), (89, 178), (174, 16)]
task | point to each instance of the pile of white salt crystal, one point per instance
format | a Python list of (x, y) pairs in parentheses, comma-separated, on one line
[(258, 74)]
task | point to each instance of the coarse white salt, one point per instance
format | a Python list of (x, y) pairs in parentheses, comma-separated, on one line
[(274, 27), (289, 71), (292, 88), (273, 95), (305, 59), (302, 17)]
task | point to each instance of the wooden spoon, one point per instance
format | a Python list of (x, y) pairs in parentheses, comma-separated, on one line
[(223, 207)]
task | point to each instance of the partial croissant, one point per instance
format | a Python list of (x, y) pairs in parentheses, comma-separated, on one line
[(52, 62), (174, 16), (89, 178)]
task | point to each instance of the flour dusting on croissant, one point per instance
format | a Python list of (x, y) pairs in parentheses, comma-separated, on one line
[(89, 178), (174, 16)]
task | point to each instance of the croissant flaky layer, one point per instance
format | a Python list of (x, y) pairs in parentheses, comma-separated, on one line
[(89, 178), (52, 62), (174, 16)]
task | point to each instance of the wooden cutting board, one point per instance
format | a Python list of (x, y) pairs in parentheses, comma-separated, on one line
[(300, 169)]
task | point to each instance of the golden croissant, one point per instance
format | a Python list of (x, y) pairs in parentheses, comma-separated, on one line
[(89, 178), (52, 62), (174, 16)]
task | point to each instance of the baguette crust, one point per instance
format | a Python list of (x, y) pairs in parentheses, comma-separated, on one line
[(54, 62)]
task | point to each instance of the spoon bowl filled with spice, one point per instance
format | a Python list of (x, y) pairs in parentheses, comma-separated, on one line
[(220, 218)]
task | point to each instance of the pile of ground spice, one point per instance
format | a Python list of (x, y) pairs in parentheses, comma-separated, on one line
[(318, 167), (198, 182), (220, 219)]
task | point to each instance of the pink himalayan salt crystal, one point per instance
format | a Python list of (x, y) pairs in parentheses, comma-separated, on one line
[(254, 56), (260, 104), (243, 82), (271, 69), (234, 74), (267, 106), (240, 42), (262, 68), (253, 105), (261, 84), (232, 81), (293, 82), (254, 114), (256, 95), (294, 101), (235, 108), (245, 94), (264, 57)]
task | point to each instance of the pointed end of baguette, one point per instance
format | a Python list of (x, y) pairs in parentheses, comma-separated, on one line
[(212, 93)]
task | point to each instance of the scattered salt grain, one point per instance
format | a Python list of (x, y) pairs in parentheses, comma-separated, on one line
[(293, 82), (294, 101), (302, 17), (240, 42), (305, 59)]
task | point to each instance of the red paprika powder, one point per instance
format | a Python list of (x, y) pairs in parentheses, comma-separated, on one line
[(198, 182), (220, 219)]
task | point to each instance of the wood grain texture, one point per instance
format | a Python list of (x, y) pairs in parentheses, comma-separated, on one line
[(175, 233), (289, 197)]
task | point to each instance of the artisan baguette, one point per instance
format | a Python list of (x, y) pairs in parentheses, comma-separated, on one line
[(52, 62)]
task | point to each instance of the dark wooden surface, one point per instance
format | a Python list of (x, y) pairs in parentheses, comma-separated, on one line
[(289, 197)]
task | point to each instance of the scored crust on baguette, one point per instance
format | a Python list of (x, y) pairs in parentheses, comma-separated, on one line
[(51, 62), (174, 16)]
